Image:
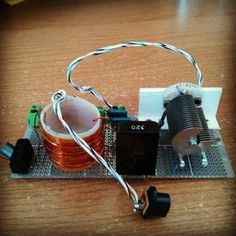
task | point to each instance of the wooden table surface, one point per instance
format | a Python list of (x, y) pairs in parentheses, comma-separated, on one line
[(38, 39)]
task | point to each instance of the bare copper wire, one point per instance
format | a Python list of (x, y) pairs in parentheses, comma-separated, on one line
[(68, 155)]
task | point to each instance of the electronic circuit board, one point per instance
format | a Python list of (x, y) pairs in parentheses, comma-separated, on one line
[(167, 164)]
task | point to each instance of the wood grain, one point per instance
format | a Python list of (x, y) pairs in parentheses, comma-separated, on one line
[(38, 39)]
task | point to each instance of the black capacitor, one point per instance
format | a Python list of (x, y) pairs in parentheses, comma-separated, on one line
[(136, 147)]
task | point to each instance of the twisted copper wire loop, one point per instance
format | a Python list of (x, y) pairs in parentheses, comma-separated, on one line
[(68, 155)]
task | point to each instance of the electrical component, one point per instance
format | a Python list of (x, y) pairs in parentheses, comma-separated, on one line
[(188, 125), (117, 112), (33, 116), (20, 156), (102, 111), (136, 147), (84, 117), (155, 203)]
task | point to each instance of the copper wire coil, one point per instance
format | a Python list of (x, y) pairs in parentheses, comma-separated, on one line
[(67, 154)]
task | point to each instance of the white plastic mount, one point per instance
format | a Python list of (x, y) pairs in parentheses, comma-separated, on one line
[(151, 104)]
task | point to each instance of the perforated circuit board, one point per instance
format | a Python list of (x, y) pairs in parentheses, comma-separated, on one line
[(167, 164)]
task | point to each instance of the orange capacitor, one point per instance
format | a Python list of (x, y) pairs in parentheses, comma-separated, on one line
[(83, 117)]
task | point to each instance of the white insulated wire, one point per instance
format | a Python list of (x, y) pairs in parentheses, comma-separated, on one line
[(59, 97), (100, 51)]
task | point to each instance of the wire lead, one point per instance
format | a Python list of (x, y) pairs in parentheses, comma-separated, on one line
[(100, 51)]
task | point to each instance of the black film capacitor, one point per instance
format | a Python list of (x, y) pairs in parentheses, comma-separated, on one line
[(136, 147)]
